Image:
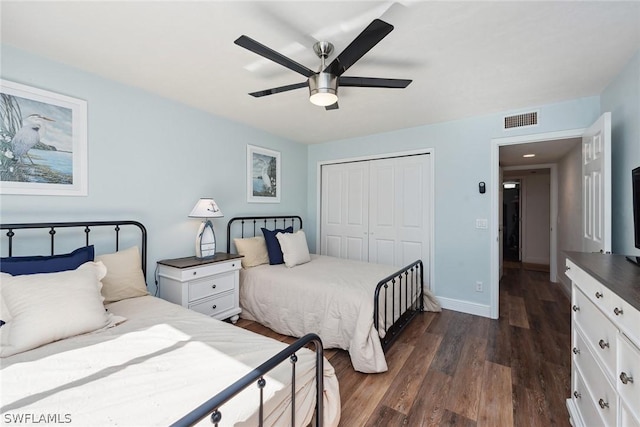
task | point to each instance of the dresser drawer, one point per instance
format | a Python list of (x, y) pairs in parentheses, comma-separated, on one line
[(627, 419), (598, 331), (582, 399), (626, 316), (212, 285), (212, 307), (628, 374), (586, 362), (596, 292), (594, 379)]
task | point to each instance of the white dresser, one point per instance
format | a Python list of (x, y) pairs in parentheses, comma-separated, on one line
[(605, 329), (209, 286)]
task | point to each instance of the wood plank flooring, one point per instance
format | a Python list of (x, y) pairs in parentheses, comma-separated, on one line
[(455, 369)]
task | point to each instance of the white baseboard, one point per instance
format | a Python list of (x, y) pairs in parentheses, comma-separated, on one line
[(465, 307)]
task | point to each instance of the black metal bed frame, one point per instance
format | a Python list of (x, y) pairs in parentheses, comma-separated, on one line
[(407, 284), (256, 376), (87, 230)]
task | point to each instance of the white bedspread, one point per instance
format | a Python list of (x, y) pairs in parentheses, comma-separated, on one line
[(329, 296), (160, 364)]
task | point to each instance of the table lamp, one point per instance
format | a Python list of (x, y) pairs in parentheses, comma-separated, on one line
[(206, 238)]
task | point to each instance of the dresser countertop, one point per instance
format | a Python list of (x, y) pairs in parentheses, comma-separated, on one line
[(614, 271)]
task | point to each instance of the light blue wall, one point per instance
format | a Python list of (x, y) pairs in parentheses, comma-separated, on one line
[(150, 159), (462, 159), (622, 98)]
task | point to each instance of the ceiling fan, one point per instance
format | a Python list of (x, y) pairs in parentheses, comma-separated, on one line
[(323, 84)]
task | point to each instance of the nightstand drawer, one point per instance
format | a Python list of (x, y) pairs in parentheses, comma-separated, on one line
[(205, 270), (213, 306), (212, 285)]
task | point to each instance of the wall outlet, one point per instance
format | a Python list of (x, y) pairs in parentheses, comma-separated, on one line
[(479, 287)]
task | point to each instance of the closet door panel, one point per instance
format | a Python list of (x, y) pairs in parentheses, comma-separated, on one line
[(399, 210), (344, 208), (383, 210)]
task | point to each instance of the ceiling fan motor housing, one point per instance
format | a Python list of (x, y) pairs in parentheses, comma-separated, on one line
[(323, 86)]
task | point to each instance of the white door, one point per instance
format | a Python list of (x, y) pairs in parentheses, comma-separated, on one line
[(345, 211), (596, 186), (399, 210), (501, 221)]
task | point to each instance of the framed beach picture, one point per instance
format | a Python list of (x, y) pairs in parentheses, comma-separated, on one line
[(43, 142), (263, 175)]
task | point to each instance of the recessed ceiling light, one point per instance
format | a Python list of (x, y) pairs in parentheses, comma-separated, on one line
[(529, 155)]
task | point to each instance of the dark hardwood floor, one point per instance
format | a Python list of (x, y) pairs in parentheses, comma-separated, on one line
[(457, 369)]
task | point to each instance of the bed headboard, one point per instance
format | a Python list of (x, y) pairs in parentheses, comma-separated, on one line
[(15, 231), (248, 226)]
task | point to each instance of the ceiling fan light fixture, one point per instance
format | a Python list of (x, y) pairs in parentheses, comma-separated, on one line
[(323, 89)]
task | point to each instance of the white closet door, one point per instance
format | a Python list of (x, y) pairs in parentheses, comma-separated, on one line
[(345, 211), (399, 214)]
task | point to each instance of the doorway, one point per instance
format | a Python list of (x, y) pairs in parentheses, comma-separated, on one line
[(511, 248)]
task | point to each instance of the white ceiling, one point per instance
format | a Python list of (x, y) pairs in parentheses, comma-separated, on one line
[(546, 152), (465, 58)]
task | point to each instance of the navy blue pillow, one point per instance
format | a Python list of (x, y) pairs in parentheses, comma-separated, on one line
[(273, 246), (19, 265)]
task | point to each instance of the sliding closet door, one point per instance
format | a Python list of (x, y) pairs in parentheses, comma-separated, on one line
[(399, 214), (345, 211)]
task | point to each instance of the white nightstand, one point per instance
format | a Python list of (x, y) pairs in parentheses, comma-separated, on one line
[(208, 286)]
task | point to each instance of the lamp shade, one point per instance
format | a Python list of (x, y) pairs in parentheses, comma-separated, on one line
[(206, 208)]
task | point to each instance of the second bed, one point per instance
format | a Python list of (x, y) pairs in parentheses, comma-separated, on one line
[(352, 305)]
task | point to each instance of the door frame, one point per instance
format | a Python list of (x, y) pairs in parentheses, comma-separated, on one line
[(431, 285), (494, 267)]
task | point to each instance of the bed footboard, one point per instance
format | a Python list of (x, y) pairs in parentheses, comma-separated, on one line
[(400, 296), (213, 405)]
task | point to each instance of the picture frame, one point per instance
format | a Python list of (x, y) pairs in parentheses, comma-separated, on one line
[(263, 175), (43, 142)]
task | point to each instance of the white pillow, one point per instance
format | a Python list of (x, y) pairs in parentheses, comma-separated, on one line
[(253, 250), (124, 277), (42, 308), (294, 248)]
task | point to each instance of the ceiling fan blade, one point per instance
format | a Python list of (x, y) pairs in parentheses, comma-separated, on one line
[(333, 106), (279, 89), (373, 82), (262, 50), (362, 44)]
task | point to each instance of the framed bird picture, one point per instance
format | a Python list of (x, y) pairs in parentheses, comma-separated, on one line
[(43, 142), (263, 175)]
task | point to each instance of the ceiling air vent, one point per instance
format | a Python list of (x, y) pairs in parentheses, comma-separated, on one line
[(521, 120)]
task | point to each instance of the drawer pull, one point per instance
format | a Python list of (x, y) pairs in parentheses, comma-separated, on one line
[(625, 378), (214, 306), (577, 395), (603, 404), (575, 308), (598, 295), (575, 350), (603, 344), (567, 268), (194, 273), (213, 286), (617, 311)]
